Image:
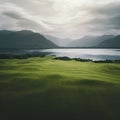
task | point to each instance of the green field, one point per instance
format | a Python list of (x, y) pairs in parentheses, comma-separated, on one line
[(48, 89)]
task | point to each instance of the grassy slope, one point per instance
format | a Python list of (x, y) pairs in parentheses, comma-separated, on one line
[(43, 89)]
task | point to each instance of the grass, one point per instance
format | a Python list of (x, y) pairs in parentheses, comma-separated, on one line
[(47, 89)]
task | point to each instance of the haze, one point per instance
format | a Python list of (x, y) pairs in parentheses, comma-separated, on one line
[(61, 18)]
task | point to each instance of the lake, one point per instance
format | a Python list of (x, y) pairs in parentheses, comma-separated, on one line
[(94, 54)]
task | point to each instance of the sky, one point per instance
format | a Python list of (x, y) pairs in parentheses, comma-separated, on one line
[(61, 18)]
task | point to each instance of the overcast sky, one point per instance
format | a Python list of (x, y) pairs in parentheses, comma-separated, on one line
[(61, 18)]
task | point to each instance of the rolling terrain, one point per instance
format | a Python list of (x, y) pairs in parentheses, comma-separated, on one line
[(45, 88)]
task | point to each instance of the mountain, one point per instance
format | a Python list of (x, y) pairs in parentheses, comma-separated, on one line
[(24, 40), (59, 41), (89, 41), (111, 43)]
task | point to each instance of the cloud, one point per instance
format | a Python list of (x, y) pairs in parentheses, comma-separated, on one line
[(12, 15), (22, 18), (62, 18), (104, 18)]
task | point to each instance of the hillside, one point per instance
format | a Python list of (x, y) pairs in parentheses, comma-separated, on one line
[(49, 89), (62, 42), (89, 41), (111, 43), (24, 40)]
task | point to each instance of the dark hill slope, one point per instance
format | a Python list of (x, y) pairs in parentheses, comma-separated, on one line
[(111, 43), (24, 40)]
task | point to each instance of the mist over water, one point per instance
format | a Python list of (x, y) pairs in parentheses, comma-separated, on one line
[(94, 54)]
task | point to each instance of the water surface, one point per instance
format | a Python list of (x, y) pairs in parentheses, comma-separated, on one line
[(94, 54)]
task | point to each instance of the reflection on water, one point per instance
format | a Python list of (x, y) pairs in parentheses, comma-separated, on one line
[(94, 54)]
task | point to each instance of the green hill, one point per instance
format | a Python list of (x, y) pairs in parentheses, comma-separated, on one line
[(48, 89)]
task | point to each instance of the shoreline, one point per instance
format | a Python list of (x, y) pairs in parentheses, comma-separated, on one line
[(65, 58)]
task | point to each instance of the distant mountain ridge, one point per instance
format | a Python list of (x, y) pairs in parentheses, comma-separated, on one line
[(89, 41), (24, 40), (111, 43), (62, 42)]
